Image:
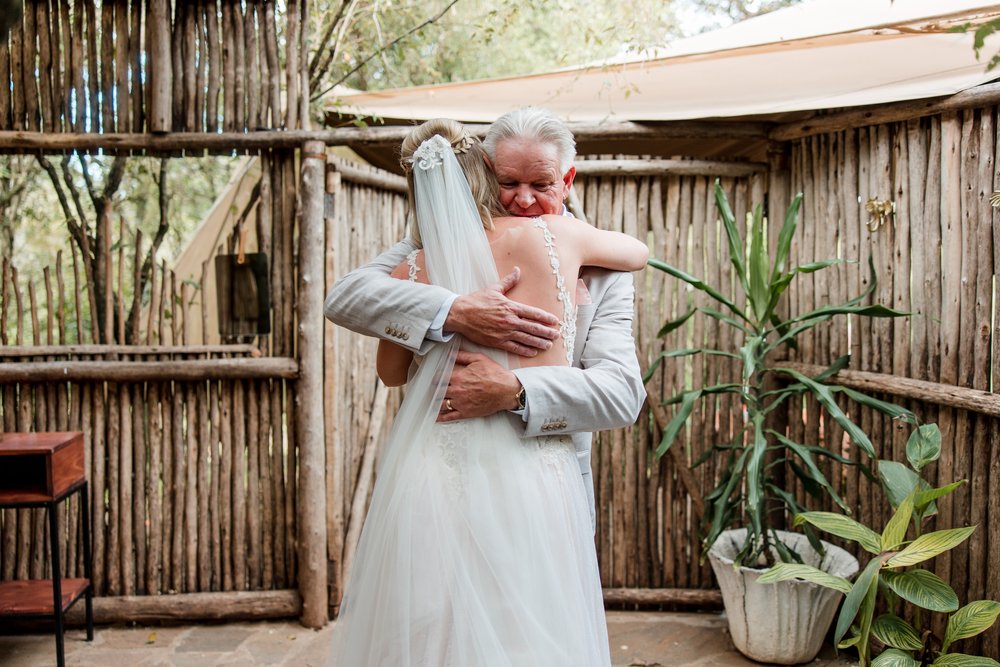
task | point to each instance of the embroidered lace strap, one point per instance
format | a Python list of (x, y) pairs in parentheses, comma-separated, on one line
[(411, 262), (568, 325)]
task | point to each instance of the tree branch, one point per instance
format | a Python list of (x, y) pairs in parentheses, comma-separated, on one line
[(323, 45), (391, 44)]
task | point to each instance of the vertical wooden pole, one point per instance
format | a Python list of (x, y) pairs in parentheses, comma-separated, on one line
[(309, 392), (161, 68)]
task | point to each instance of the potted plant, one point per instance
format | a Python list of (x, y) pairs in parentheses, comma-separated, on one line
[(889, 579), (747, 492)]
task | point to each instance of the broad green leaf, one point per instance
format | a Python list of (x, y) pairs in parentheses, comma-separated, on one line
[(675, 324), (748, 353), (963, 660), (677, 422), (697, 283), (970, 620), (922, 588), (898, 481), (803, 453), (786, 571), (785, 237), (722, 317), (865, 585), (722, 507), (924, 499), (893, 657), (893, 631), (929, 545), (732, 234), (825, 396), (894, 532), (923, 446), (841, 309), (845, 527)]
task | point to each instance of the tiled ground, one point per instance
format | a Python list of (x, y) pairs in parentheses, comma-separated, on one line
[(638, 639)]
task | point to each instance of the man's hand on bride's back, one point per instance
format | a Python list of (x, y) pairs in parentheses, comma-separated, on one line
[(489, 318)]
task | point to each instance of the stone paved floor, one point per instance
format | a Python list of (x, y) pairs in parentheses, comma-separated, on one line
[(638, 639)]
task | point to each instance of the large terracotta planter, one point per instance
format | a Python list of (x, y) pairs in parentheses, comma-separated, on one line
[(782, 623)]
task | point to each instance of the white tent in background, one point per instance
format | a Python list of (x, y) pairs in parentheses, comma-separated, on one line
[(821, 54)]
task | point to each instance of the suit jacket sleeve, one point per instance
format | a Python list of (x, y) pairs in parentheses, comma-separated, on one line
[(607, 391), (367, 300)]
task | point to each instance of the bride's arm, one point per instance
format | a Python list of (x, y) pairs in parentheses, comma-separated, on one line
[(605, 249)]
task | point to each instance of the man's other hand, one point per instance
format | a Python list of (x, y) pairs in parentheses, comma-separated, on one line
[(478, 387), (489, 318)]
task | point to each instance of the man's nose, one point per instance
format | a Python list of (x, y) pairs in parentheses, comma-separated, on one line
[(524, 197)]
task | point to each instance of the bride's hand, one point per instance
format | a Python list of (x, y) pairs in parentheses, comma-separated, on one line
[(489, 318), (478, 387)]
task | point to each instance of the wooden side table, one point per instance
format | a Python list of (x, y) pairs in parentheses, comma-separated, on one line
[(42, 470)]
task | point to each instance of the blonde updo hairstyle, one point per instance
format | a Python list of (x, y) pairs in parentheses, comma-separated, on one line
[(471, 158)]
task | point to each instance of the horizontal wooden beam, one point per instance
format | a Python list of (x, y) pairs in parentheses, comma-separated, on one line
[(707, 598), (974, 400), (354, 174), (980, 96), (656, 167), (134, 350), (188, 370), (233, 606), (350, 136)]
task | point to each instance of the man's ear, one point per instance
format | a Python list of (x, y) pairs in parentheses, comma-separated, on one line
[(489, 164), (568, 178)]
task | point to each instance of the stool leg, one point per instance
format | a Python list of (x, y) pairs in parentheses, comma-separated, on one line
[(85, 517), (56, 582)]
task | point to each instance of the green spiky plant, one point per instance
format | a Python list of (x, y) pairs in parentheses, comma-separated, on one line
[(888, 580), (748, 491)]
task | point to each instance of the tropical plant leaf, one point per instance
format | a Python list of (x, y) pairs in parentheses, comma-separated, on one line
[(876, 310), (758, 295), (817, 475), (970, 620), (866, 585), (885, 407), (754, 482), (963, 660), (929, 545), (721, 508), (893, 631), (686, 352), (785, 237), (845, 527), (898, 481), (825, 396), (894, 532), (786, 571), (922, 588), (672, 325), (697, 283), (924, 499), (893, 657), (688, 401), (923, 446), (722, 317), (732, 234)]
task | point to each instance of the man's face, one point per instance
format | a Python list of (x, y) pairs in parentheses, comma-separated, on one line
[(530, 180)]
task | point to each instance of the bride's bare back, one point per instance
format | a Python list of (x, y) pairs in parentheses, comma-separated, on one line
[(522, 243)]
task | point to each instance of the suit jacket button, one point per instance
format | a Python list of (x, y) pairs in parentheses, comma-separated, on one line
[(388, 330), (406, 336)]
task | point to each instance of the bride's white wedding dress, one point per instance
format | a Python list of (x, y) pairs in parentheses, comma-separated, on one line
[(477, 550)]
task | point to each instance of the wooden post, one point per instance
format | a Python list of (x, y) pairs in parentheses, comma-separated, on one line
[(161, 104), (309, 391)]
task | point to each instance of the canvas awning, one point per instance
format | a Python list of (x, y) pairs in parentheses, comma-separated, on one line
[(818, 55)]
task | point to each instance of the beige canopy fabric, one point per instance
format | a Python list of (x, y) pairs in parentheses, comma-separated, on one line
[(818, 55)]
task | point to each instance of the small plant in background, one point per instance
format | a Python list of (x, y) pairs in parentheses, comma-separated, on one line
[(748, 491), (888, 575)]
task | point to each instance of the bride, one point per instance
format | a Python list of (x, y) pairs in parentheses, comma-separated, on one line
[(477, 549)]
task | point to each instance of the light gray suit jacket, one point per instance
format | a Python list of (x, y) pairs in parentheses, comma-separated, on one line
[(602, 390)]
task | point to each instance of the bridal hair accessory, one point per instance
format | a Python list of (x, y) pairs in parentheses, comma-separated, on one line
[(430, 154)]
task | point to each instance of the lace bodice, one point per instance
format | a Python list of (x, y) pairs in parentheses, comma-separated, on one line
[(567, 327), (411, 263)]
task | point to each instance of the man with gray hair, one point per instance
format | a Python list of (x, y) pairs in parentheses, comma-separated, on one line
[(532, 153)]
